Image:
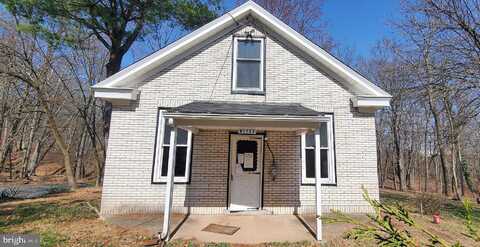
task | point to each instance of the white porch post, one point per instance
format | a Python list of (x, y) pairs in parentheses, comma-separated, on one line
[(170, 180), (318, 186)]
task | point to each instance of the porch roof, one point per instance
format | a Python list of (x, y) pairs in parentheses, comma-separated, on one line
[(238, 115), (248, 108)]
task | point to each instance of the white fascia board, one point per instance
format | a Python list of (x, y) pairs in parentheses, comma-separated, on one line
[(116, 93), (371, 102), (245, 117)]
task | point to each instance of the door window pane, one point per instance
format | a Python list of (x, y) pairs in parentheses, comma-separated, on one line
[(244, 147)]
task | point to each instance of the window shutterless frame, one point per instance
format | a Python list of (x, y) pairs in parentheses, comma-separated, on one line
[(157, 168), (331, 179), (261, 87)]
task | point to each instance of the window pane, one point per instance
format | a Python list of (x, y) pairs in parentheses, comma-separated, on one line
[(310, 163), (248, 147), (182, 135), (180, 161), (324, 163), (248, 74), (323, 135), (310, 139), (249, 49)]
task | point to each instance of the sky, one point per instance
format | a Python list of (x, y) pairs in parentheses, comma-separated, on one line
[(360, 24), (356, 24)]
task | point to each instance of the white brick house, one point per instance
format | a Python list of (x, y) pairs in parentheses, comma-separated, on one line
[(255, 114)]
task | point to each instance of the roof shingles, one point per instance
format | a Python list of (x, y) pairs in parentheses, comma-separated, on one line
[(244, 108)]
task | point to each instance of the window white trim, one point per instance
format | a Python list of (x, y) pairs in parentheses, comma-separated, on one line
[(157, 168), (235, 58), (331, 155)]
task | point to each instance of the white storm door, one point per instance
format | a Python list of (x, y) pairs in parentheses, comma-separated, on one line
[(246, 165)]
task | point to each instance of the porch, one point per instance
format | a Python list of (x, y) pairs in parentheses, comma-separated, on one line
[(253, 229), (247, 125)]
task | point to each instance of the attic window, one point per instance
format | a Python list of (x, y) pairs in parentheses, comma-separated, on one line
[(248, 65)]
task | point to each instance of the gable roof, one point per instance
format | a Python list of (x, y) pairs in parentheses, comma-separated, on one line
[(122, 85)]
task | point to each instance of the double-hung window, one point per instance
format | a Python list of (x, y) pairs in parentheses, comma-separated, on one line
[(327, 154), (183, 151), (248, 65)]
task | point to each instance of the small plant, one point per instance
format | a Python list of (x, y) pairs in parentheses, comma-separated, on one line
[(392, 225), (472, 231)]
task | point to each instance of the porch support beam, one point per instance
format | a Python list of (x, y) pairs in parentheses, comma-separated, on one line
[(318, 186), (170, 181), (302, 131)]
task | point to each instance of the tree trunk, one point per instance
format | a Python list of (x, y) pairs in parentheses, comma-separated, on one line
[(32, 164), (59, 141), (400, 168), (79, 153), (425, 160), (453, 134), (438, 135)]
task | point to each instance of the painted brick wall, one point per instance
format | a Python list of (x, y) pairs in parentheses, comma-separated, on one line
[(205, 74)]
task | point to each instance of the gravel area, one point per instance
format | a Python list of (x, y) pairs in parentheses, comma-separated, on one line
[(30, 191)]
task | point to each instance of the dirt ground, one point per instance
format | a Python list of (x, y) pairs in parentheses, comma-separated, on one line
[(69, 219)]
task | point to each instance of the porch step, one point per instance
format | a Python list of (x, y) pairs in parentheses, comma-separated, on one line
[(250, 212)]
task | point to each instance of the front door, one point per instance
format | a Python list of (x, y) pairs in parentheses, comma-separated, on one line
[(246, 165)]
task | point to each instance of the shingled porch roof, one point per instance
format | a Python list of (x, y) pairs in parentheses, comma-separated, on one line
[(242, 108)]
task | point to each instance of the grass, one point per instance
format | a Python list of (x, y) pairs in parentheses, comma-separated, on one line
[(38, 215), (66, 220), (50, 239), (47, 212), (448, 208)]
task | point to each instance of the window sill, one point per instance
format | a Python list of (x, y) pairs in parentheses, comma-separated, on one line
[(251, 92), (176, 181), (325, 182)]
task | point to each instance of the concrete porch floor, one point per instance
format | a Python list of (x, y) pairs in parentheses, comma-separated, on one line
[(253, 229)]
